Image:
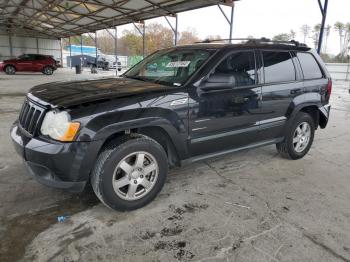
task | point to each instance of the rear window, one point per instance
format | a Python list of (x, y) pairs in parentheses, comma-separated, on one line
[(278, 67), (309, 66)]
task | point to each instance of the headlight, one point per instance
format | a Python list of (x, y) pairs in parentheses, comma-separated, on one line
[(57, 125)]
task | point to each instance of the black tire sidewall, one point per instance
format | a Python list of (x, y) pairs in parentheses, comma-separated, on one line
[(110, 198), (300, 118)]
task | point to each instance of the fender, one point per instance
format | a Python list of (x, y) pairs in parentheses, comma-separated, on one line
[(100, 128)]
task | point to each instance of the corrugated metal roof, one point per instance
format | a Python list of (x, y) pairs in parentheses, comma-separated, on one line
[(67, 18)]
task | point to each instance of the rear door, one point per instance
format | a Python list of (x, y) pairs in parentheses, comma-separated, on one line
[(39, 62), (224, 110), (281, 83)]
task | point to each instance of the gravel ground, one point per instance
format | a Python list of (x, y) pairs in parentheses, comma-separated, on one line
[(249, 206)]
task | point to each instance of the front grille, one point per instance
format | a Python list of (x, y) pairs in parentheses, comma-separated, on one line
[(30, 116)]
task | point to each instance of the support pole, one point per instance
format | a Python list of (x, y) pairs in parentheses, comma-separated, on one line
[(11, 47), (324, 16), (143, 34), (61, 52), (116, 49), (70, 53), (37, 45), (176, 29), (81, 44), (96, 46), (144, 39), (229, 20), (173, 29)]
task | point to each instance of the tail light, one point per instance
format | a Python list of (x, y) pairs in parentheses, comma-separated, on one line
[(329, 89)]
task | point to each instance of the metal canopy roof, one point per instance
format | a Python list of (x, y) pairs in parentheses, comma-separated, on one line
[(60, 19)]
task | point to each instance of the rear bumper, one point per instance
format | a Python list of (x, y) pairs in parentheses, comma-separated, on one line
[(58, 165), (324, 115)]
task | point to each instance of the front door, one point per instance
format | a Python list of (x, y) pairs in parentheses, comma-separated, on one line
[(224, 108), (25, 63)]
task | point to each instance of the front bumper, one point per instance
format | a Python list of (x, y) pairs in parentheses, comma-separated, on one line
[(58, 165)]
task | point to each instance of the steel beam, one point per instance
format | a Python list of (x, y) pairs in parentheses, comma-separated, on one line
[(323, 9)]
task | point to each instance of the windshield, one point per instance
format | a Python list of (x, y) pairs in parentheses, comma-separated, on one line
[(170, 67)]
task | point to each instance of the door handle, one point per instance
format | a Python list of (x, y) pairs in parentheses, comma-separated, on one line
[(295, 91)]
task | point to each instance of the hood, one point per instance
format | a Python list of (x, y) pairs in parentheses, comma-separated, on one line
[(66, 94)]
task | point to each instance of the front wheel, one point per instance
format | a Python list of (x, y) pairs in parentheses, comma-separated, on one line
[(130, 172), (10, 70), (299, 137)]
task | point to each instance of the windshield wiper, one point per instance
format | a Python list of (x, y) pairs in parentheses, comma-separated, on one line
[(137, 78)]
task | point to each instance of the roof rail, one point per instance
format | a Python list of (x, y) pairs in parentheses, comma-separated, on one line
[(257, 41)]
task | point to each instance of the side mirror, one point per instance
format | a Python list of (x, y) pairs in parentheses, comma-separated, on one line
[(217, 82)]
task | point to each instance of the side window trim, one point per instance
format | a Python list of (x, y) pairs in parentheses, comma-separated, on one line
[(280, 82), (233, 52)]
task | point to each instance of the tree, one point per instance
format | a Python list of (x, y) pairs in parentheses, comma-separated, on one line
[(282, 37), (292, 34), (188, 36), (316, 34), (340, 27), (305, 30), (131, 43), (327, 31), (158, 37)]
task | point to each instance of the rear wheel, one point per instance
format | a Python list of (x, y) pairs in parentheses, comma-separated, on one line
[(10, 70), (48, 70), (130, 172), (299, 137)]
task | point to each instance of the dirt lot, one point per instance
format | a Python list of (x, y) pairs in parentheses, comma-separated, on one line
[(249, 206)]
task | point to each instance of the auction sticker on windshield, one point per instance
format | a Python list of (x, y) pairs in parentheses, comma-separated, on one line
[(178, 64)]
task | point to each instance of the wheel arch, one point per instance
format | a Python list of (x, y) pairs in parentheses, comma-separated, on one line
[(9, 65), (313, 110)]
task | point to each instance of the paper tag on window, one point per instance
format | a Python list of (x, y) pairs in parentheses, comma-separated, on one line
[(178, 64)]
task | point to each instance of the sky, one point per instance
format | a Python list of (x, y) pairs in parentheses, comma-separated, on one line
[(264, 18)]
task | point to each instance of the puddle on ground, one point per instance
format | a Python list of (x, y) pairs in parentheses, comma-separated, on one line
[(21, 230)]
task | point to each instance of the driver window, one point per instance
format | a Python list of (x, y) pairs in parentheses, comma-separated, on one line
[(238, 69)]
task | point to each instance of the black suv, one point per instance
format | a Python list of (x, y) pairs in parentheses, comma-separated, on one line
[(178, 105)]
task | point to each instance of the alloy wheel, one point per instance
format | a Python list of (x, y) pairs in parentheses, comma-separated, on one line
[(135, 176), (301, 137)]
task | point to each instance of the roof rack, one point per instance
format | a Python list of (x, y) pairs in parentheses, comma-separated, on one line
[(262, 40)]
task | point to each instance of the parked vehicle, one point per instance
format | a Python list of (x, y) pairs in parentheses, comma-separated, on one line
[(178, 105), (30, 63)]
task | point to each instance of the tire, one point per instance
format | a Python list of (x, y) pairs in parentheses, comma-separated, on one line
[(299, 137), (10, 70), (130, 192), (48, 70)]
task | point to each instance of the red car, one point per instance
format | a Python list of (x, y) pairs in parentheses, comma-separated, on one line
[(29, 63)]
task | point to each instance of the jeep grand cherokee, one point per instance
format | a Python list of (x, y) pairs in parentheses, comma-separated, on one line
[(178, 105)]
